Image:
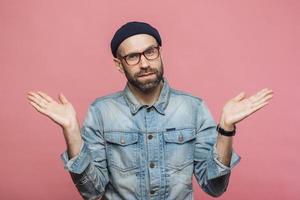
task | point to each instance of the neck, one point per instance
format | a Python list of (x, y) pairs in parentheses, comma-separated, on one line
[(148, 98)]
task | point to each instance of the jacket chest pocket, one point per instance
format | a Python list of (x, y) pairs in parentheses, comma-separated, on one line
[(179, 148), (122, 150)]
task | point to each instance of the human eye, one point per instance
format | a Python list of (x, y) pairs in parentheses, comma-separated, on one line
[(132, 57), (150, 51)]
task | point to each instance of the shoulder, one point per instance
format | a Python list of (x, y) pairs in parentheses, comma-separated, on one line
[(106, 99), (186, 96)]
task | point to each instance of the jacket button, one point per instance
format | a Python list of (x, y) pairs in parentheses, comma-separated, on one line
[(180, 138), (122, 141), (152, 165), (152, 191), (150, 136)]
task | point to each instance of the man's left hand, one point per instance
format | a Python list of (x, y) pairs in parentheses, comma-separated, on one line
[(241, 107)]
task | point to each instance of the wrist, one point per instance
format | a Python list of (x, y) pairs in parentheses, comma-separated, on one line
[(71, 126), (72, 134), (222, 131), (227, 127)]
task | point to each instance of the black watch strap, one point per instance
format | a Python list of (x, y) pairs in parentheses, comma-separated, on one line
[(224, 132)]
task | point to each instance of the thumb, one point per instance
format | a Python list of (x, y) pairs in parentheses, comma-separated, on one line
[(239, 96), (63, 99)]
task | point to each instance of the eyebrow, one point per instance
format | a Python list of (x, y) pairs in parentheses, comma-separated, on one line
[(151, 46)]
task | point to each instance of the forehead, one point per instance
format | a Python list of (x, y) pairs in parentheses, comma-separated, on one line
[(136, 43)]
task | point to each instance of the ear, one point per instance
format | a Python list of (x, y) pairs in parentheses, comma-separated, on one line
[(119, 65), (160, 52)]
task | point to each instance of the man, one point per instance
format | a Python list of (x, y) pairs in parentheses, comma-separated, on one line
[(147, 141)]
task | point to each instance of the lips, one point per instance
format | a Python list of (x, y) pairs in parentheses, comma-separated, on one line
[(146, 74)]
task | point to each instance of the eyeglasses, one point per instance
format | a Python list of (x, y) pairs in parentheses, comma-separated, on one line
[(134, 58)]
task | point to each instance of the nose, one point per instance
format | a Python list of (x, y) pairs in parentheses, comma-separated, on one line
[(144, 63)]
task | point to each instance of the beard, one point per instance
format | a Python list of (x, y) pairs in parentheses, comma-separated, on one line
[(146, 86)]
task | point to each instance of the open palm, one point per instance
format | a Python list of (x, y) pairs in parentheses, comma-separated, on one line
[(240, 107), (62, 113)]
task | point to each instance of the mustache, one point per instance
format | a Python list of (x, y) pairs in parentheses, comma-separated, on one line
[(143, 72)]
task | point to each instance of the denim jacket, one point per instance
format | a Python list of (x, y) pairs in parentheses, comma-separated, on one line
[(132, 151)]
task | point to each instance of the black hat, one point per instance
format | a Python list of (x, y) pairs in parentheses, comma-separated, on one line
[(130, 29)]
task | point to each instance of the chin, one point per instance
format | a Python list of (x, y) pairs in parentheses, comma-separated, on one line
[(149, 85)]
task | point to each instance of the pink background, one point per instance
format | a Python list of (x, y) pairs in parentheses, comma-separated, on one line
[(212, 49)]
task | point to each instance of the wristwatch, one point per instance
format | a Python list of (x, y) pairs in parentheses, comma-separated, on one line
[(224, 132)]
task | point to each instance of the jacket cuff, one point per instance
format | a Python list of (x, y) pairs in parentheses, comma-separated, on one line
[(78, 163), (216, 168)]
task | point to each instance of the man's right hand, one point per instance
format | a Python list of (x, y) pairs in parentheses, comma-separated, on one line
[(62, 113)]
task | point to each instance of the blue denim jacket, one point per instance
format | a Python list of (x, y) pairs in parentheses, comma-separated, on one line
[(134, 151)]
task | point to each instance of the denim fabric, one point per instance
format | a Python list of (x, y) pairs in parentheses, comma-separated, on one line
[(134, 151)]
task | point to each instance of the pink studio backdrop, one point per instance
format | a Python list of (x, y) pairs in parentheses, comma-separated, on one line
[(212, 49)]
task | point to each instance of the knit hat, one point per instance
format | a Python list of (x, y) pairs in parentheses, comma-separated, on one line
[(130, 29)]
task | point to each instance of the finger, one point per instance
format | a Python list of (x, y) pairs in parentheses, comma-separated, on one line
[(38, 100), (239, 97), (255, 109), (33, 98), (31, 94), (37, 107), (262, 91), (260, 95), (263, 100), (46, 97), (63, 99), (35, 95), (265, 96), (266, 92)]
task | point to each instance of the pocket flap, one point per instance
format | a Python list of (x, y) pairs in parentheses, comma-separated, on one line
[(121, 138), (180, 136)]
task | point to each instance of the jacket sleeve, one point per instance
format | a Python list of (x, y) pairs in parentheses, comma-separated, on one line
[(210, 173), (88, 169)]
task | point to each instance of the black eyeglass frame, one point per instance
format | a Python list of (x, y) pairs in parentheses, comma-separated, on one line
[(140, 54)]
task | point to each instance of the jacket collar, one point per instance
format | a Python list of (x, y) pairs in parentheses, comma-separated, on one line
[(159, 105)]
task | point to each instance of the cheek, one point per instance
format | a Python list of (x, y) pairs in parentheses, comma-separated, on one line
[(132, 71), (156, 64)]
